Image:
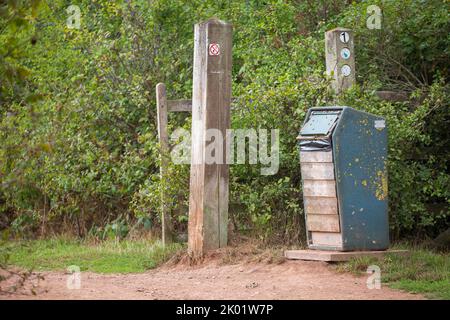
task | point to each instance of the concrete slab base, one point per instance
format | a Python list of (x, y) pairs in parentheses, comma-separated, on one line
[(336, 256)]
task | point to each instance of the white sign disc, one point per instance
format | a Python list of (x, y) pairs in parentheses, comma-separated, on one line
[(345, 53), (346, 70), (344, 37)]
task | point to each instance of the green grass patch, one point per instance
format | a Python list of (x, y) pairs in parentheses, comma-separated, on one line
[(109, 256), (422, 271)]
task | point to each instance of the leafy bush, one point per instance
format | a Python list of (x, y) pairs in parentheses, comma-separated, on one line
[(411, 48), (79, 148)]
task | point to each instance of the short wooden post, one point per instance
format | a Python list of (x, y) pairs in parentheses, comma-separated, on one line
[(211, 100), (161, 104), (340, 58)]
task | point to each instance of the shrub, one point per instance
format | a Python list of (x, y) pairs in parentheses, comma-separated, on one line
[(78, 148)]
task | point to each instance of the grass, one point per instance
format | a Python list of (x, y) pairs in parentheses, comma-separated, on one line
[(422, 271), (109, 256)]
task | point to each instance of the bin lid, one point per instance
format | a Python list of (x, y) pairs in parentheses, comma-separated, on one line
[(320, 122)]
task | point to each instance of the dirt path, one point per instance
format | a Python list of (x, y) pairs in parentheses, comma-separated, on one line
[(289, 280)]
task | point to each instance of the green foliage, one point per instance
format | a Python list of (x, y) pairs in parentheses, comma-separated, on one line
[(175, 186), (89, 159), (409, 51), (16, 32), (78, 139), (117, 229)]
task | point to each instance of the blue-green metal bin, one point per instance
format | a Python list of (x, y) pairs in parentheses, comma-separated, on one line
[(343, 155)]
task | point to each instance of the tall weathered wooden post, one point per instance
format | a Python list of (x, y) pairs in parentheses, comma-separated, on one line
[(211, 100), (340, 58)]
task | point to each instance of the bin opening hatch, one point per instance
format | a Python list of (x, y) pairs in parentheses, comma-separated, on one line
[(320, 123)]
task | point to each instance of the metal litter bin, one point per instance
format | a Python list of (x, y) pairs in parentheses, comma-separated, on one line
[(343, 154)]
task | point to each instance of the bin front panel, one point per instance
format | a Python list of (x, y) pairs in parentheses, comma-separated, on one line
[(360, 155)]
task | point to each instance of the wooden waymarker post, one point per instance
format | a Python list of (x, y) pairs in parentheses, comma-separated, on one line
[(211, 100), (340, 58), (161, 104)]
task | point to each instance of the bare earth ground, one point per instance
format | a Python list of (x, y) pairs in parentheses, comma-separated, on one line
[(211, 280)]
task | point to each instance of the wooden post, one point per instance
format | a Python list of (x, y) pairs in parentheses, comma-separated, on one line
[(340, 58), (161, 104), (211, 100)]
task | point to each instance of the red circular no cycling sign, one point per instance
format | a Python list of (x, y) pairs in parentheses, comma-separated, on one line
[(214, 49)]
